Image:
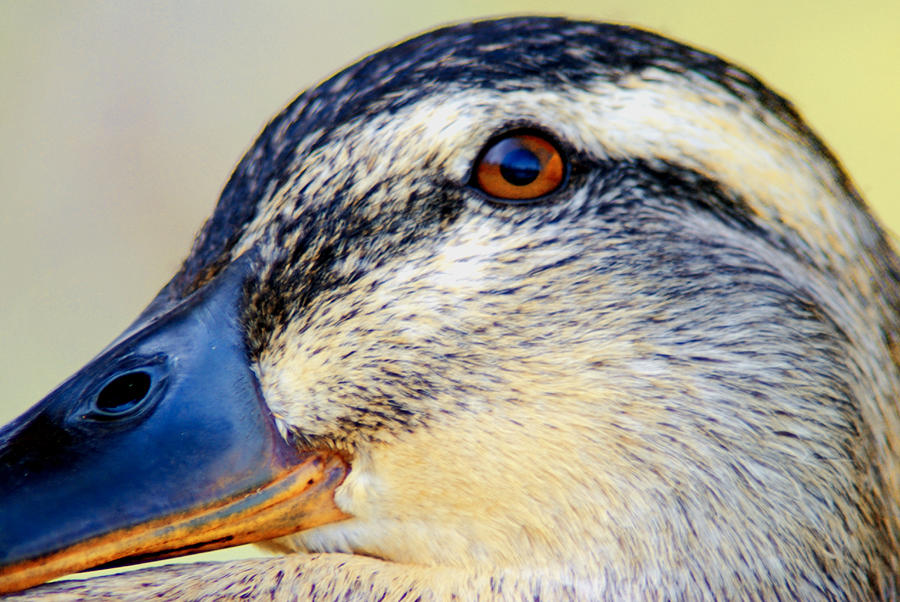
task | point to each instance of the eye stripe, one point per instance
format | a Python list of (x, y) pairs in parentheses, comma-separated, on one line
[(519, 166)]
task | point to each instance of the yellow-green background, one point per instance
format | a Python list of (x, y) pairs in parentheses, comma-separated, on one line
[(120, 121)]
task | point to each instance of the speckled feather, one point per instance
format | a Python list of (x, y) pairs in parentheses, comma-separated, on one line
[(674, 378)]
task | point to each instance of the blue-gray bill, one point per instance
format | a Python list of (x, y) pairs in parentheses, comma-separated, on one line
[(161, 446)]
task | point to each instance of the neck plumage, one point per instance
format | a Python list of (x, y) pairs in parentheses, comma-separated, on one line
[(322, 577), (351, 578)]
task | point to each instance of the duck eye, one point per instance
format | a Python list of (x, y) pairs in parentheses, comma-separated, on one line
[(519, 167)]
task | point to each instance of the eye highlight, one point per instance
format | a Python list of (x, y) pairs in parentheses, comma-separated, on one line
[(519, 166)]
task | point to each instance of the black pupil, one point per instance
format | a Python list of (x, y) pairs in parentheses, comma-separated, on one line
[(520, 167), (123, 393)]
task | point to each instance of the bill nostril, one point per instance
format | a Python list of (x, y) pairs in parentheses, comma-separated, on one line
[(123, 394)]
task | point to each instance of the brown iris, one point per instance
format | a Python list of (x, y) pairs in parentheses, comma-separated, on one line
[(520, 167)]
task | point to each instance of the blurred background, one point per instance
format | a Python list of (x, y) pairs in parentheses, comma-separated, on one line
[(121, 121)]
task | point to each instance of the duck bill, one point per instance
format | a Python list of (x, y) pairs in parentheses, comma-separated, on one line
[(161, 446)]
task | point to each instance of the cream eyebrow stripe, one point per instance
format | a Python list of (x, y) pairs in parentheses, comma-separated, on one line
[(657, 116)]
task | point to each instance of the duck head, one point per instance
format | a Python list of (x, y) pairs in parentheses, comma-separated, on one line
[(533, 294)]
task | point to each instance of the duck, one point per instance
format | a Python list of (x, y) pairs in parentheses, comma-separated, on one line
[(524, 308)]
